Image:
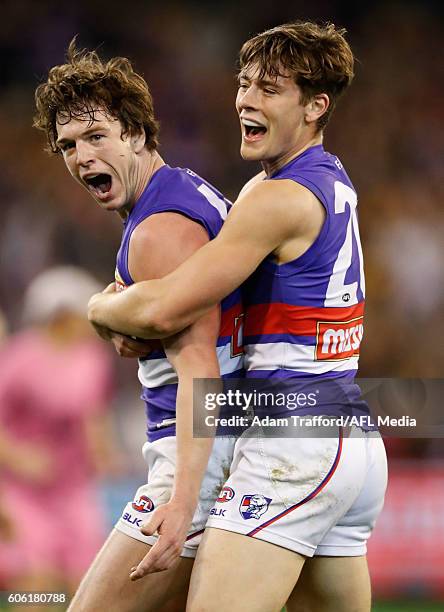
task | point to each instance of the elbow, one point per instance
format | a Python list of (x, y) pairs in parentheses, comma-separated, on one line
[(157, 325), (162, 328)]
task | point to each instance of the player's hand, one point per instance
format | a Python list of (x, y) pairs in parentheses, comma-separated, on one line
[(111, 288), (126, 346), (172, 522), (134, 348), (103, 332)]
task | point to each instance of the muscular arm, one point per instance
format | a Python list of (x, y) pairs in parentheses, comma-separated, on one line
[(159, 245), (261, 176), (192, 354), (266, 217)]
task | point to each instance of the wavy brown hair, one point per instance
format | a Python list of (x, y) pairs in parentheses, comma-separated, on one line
[(76, 89), (317, 57)]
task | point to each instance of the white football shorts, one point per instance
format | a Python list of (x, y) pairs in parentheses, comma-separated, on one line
[(160, 457), (313, 495)]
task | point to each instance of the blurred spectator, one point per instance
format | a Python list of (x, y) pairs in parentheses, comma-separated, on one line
[(55, 435), (6, 525)]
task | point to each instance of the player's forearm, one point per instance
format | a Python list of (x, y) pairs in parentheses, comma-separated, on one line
[(133, 312), (163, 307), (191, 463), (192, 453)]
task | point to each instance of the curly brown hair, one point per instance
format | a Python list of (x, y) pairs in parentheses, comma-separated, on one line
[(317, 57), (76, 89)]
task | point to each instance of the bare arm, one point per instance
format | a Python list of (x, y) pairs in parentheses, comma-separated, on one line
[(159, 245), (264, 218), (249, 184), (193, 355)]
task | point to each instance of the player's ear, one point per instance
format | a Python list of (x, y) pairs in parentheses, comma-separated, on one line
[(316, 107), (138, 140)]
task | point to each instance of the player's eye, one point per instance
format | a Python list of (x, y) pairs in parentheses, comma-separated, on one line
[(66, 146), (269, 91), (96, 137)]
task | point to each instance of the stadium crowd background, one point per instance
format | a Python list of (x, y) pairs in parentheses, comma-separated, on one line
[(386, 131)]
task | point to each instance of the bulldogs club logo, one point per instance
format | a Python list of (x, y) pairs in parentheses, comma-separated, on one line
[(143, 504), (226, 494), (254, 506)]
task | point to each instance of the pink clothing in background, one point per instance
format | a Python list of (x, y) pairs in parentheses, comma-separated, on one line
[(47, 392)]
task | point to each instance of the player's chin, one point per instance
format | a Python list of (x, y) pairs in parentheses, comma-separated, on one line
[(111, 202), (250, 153)]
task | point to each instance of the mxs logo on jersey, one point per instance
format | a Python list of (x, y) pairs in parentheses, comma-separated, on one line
[(143, 504), (254, 506), (226, 494), (337, 340)]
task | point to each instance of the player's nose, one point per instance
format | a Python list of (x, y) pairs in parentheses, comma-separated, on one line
[(247, 98), (84, 154)]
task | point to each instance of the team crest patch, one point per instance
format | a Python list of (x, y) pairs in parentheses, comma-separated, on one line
[(143, 504), (254, 506), (226, 494)]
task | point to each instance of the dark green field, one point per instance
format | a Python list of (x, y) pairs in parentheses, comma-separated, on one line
[(408, 606)]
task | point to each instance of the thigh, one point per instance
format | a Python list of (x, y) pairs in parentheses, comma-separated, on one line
[(290, 491), (234, 573), (107, 585), (332, 584)]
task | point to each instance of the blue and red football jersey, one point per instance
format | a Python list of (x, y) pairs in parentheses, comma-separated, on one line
[(181, 191)]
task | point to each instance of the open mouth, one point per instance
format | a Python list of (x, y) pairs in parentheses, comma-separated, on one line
[(253, 130), (99, 184)]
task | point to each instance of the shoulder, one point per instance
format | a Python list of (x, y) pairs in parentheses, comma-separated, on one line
[(159, 230), (185, 183), (161, 242), (282, 195), (270, 213), (186, 193), (256, 179)]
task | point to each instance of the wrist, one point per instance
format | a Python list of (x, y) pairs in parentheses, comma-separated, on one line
[(187, 503)]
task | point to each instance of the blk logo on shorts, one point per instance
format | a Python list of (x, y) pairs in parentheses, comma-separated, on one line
[(226, 494), (143, 504), (217, 512), (132, 520), (254, 506)]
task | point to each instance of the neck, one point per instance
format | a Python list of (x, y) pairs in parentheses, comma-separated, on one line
[(150, 163), (272, 166)]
